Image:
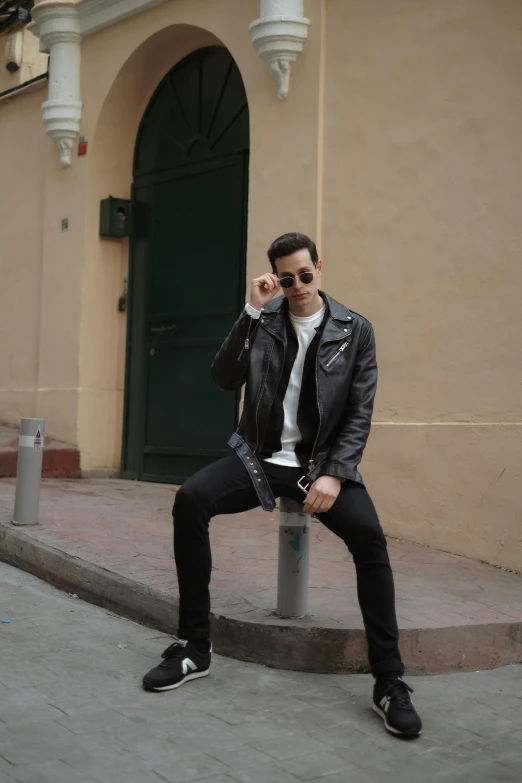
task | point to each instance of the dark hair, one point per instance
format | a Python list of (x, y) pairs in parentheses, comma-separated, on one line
[(287, 244)]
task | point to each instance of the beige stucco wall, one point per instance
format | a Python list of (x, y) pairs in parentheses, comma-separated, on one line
[(40, 272), (421, 233), (33, 64), (40, 266), (22, 175)]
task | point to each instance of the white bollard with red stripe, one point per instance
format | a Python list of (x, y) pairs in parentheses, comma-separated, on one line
[(29, 471)]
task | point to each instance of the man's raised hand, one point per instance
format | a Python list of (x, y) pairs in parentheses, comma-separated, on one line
[(262, 290)]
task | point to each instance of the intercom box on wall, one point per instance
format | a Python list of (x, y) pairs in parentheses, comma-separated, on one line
[(114, 217)]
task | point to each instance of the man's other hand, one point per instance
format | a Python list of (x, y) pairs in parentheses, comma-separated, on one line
[(322, 495)]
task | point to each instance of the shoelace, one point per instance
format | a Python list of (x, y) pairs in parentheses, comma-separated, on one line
[(175, 650), (399, 690)]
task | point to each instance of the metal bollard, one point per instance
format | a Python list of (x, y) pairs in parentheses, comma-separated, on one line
[(294, 559), (29, 472)]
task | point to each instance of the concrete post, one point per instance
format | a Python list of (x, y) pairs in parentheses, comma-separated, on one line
[(29, 472), (294, 560)]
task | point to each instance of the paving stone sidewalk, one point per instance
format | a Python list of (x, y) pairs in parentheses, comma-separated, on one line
[(72, 711)]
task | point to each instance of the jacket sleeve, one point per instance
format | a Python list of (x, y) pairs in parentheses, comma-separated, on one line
[(230, 366), (354, 428)]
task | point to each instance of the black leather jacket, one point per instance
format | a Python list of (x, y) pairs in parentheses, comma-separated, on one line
[(345, 379)]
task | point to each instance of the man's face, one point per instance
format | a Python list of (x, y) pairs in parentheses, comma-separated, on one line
[(292, 266)]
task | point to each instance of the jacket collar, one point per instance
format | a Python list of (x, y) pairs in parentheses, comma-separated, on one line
[(339, 318)]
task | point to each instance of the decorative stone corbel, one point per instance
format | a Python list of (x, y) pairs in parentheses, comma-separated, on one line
[(278, 37), (58, 26)]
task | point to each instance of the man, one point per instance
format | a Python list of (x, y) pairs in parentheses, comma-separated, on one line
[(310, 372)]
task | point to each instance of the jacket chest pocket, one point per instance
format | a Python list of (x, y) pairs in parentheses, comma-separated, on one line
[(336, 356)]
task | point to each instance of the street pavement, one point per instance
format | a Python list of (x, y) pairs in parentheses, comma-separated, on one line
[(72, 710)]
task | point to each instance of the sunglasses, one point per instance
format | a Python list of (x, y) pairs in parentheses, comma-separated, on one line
[(288, 280)]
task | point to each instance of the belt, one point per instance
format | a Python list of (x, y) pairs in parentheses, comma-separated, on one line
[(255, 471)]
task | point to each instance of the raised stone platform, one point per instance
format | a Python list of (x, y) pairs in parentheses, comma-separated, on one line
[(60, 460), (110, 542)]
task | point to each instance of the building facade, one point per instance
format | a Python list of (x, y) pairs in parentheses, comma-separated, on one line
[(388, 130)]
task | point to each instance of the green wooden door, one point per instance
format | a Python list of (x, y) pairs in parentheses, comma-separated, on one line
[(187, 267)]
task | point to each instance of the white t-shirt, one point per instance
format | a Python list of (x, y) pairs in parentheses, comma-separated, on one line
[(290, 436)]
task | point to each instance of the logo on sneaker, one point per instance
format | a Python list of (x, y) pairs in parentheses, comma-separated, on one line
[(385, 703), (188, 666)]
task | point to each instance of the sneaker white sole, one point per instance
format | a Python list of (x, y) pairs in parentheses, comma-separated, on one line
[(193, 676), (389, 728)]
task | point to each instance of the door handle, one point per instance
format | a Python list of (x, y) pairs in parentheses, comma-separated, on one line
[(162, 337), (162, 331)]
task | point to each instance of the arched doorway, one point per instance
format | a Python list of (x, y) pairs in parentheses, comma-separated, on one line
[(187, 262)]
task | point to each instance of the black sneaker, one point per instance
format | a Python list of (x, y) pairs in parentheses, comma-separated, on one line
[(181, 662), (392, 702)]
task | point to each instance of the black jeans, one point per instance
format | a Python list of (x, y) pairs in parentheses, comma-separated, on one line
[(225, 488)]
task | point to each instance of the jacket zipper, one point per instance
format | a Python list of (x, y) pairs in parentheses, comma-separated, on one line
[(246, 344), (311, 460), (332, 359), (261, 392)]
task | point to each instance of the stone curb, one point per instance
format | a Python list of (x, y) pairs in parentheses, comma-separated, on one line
[(298, 645)]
